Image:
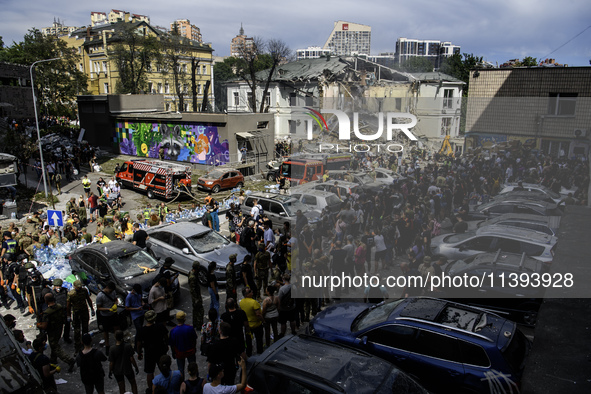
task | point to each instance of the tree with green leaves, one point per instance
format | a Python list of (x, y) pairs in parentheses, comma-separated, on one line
[(57, 83), (459, 67), (278, 52), (133, 54), (175, 61)]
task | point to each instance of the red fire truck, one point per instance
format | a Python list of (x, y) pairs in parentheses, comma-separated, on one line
[(309, 168), (155, 178)]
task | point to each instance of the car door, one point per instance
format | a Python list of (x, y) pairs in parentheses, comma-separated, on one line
[(226, 181), (391, 342), (88, 262), (311, 201), (476, 365), (277, 214), (437, 360), (183, 261), (158, 243), (474, 246)]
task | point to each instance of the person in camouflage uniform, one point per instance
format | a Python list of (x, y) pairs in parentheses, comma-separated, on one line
[(77, 310), (262, 262), (60, 294), (25, 241), (52, 323), (30, 250), (231, 278), (196, 298)]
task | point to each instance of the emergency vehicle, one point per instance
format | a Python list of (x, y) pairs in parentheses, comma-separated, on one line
[(310, 168), (155, 178)]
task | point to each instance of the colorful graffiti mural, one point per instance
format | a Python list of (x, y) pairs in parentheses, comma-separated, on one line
[(194, 143)]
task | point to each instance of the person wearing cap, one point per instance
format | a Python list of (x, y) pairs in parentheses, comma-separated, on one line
[(196, 298), (183, 342), (151, 344), (60, 294), (231, 277), (77, 304)]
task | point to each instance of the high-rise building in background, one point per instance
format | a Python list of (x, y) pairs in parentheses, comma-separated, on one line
[(312, 53), (114, 16), (186, 29), (348, 39), (434, 50), (240, 42)]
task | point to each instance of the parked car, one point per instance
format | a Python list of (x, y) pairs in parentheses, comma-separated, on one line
[(448, 347), (388, 177), (544, 224), (499, 207), (271, 171), (516, 303), (342, 188), (509, 187), (187, 242), (492, 238), (305, 364), (317, 199), (534, 195), (118, 261), (219, 179), (279, 208), (363, 179)]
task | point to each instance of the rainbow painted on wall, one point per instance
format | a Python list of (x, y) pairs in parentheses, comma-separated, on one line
[(195, 143)]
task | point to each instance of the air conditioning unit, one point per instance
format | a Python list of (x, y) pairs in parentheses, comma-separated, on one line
[(581, 133)]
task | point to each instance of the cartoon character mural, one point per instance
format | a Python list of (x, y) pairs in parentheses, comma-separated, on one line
[(195, 143)]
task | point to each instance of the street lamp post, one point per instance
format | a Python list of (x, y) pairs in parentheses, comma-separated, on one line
[(37, 122)]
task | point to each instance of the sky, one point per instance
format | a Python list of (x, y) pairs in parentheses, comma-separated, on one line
[(497, 30)]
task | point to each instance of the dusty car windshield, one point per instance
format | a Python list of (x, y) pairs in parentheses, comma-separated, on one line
[(214, 175), (372, 316), (204, 243), (133, 264)]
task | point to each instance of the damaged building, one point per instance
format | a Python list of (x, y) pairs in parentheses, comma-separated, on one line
[(358, 85)]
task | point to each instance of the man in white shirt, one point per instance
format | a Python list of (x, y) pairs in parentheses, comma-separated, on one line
[(255, 211)]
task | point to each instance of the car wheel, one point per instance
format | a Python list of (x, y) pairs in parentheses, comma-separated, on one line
[(240, 184), (270, 177), (202, 277), (215, 189), (150, 194)]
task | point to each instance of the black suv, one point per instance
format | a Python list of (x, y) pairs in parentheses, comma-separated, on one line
[(304, 364)]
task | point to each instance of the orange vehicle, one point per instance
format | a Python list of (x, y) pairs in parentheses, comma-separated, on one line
[(155, 178), (306, 169)]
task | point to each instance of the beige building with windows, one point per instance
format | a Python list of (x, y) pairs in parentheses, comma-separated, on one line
[(349, 39), (95, 43), (187, 30), (240, 42), (547, 109)]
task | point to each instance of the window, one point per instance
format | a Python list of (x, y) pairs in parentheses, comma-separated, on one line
[(150, 87), (168, 106), (159, 88), (236, 99), (509, 245), (438, 346), (479, 243), (309, 101), (106, 88), (178, 242), (395, 336), (292, 126), (249, 98), (276, 208), (186, 109), (398, 104), (309, 200), (531, 249), (473, 354), (204, 68), (501, 209), (268, 99), (293, 99), (562, 104), (161, 236), (166, 88), (448, 95), (184, 68), (445, 126), (104, 66), (199, 88)]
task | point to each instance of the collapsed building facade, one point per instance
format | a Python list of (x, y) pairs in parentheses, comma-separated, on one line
[(355, 85)]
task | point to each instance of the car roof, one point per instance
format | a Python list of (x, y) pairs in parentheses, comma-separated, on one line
[(276, 197), (531, 194), (550, 221), (314, 192), (115, 248), (522, 234), (504, 259), (452, 317), (517, 201), (185, 229), (343, 366)]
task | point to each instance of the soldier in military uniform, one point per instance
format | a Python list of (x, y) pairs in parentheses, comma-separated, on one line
[(77, 311), (196, 298), (231, 278), (25, 241), (36, 290), (30, 250), (52, 323), (262, 262), (53, 237), (60, 294)]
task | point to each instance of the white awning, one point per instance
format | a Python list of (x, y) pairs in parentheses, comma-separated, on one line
[(244, 135)]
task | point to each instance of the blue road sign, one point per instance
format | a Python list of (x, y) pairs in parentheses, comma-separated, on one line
[(55, 218)]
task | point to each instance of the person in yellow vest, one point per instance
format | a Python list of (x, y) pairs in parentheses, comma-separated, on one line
[(86, 184)]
